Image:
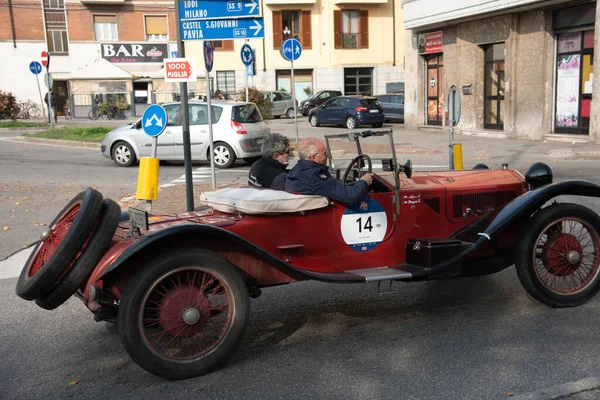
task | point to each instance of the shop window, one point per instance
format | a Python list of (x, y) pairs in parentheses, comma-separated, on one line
[(351, 29), (105, 27), (303, 82), (223, 45), (358, 81), (57, 42), (156, 27), (292, 24), (226, 81)]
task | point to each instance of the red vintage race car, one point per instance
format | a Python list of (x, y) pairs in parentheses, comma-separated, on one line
[(178, 285)]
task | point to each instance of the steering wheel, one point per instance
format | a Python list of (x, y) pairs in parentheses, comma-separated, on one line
[(355, 160)]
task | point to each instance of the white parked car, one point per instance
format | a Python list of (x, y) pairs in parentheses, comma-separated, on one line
[(238, 130)]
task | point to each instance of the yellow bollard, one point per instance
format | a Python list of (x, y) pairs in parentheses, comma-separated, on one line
[(147, 186), (458, 160)]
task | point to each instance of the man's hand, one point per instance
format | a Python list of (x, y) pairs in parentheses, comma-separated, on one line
[(367, 178)]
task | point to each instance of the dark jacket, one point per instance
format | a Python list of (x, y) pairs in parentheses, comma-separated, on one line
[(309, 177), (53, 99), (265, 173)]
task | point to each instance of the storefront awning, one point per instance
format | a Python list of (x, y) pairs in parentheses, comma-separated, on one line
[(101, 69), (144, 71)]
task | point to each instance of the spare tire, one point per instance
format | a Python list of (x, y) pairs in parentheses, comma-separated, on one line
[(61, 243), (93, 251)]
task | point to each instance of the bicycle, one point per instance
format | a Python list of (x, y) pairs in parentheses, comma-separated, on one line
[(110, 112), (28, 109), (67, 112)]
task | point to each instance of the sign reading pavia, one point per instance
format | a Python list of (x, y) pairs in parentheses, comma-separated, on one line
[(196, 9), (134, 53)]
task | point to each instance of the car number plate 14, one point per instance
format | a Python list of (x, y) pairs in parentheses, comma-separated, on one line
[(373, 111), (137, 219)]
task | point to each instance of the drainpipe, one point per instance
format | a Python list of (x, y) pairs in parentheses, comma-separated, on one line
[(262, 7), (394, 31), (12, 23)]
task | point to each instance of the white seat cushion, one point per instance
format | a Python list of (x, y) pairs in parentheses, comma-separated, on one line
[(261, 201)]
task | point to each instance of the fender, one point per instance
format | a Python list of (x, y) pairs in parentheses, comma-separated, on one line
[(489, 226), (155, 239)]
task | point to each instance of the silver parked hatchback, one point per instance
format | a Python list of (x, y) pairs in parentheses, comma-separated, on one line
[(283, 104), (238, 131)]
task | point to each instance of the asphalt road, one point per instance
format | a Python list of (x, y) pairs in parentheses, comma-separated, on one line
[(473, 338)]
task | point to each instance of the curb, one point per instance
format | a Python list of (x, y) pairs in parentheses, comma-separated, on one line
[(562, 391), (25, 128), (56, 142)]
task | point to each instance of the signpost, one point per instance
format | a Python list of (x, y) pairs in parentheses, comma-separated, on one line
[(180, 70), (154, 122), (223, 29), (35, 68), (453, 118), (246, 54), (45, 58), (196, 9), (291, 50), (208, 63)]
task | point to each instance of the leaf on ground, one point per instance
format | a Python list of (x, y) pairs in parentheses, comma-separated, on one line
[(5, 228), (26, 210), (17, 202), (73, 383)]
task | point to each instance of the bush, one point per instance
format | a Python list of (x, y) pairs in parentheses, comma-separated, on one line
[(257, 97), (8, 106)]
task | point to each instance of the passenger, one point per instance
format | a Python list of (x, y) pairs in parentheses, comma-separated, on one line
[(270, 171), (311, 176)]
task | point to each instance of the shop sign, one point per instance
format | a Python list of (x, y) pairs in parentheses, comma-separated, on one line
[(567, 91), (134, 52), (431, 42), (569, 42)]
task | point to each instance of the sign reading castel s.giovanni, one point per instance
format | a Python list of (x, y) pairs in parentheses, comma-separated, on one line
[(431, 42), (135, 52)]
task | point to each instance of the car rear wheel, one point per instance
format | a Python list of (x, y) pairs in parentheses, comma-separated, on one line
[(224, 155), (350, 123), (123, 154), (557, 258), (60, 245), (182, 315), (290, 113), (314, 121)]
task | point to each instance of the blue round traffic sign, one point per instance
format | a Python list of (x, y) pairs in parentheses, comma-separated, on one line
[(291, 49), (35, 67), (154, 120), (208, 55), (246, 54)]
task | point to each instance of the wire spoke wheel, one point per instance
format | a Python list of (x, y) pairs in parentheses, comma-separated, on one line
[(566, 258), (186, 313)]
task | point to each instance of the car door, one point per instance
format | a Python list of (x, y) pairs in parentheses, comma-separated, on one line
[(345, 109), (164, 142), (278, 103), (199, 135), (400, 107), (328, 111)]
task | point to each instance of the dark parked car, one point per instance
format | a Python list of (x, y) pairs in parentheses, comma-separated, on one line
[(393, 107), (317, 99), (350, 111)]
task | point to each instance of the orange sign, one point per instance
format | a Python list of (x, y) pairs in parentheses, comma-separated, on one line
[(180, 70), (431, 42)]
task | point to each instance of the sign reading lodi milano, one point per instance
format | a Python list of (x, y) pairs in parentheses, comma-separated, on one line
[(134, 52)]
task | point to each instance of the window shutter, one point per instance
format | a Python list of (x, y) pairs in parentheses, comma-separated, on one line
[(227, 44), (305, 29), (363, 29), (277, 34), (337, 29), (155, 25)]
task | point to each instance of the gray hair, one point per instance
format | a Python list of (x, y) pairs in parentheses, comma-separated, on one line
[(274, 143), (307, 148)]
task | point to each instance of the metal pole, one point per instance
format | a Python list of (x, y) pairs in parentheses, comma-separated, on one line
[(37, 79), (450, 100), (185, 112), (247, 67), (12, 23), (213, 177), (50, 116), (154, 144), (294, 97)]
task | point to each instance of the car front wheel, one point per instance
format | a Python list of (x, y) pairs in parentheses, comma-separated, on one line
[(123, 154), (224, 155), (314, 121), (557, 258)]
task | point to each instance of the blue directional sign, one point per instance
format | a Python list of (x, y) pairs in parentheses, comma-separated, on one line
[(223, 29), (35, 67), (291, 49), (154, 120), (246, 54), (198, 10)]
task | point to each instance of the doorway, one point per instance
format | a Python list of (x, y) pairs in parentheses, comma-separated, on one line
[(435, 84), (60, 88), (493, 107)]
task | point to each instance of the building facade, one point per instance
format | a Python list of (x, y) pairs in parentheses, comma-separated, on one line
[(104, 50), (523, 68)]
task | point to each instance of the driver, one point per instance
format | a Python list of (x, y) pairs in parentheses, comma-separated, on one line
[(311, 176)]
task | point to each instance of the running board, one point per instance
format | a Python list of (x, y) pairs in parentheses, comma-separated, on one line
[(386, 273)]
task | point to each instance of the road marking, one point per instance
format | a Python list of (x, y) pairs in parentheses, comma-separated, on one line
[(201, 175)]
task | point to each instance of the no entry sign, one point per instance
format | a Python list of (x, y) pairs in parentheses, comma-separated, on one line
[(180, 70), (45, 59)]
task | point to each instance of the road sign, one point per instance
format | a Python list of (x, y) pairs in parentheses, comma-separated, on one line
[(35, 67), (45, 59), (246, 54), (180, 69), (223, 29), (199, 10), (48, 80), (154, 120), (209, 55), (291, 49), (454, 105)]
